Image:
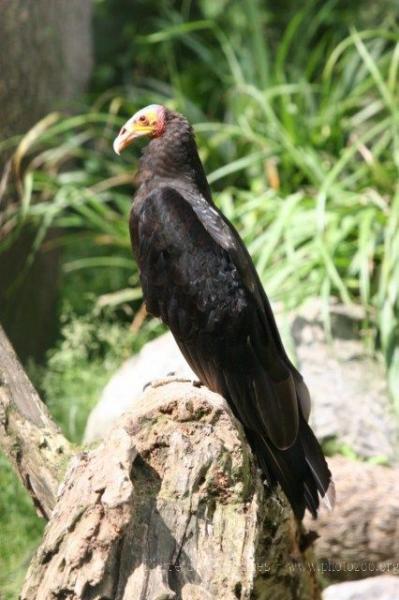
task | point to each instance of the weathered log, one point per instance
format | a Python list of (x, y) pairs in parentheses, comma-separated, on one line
[(28, 436), (170, 505), (361, 537)]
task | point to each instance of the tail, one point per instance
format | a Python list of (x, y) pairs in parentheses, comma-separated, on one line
[(302, 470)]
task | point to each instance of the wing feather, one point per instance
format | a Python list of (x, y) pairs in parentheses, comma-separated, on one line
[(199, 278), (168, 227)]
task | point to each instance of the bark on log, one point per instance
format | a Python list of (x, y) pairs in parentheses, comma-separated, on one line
[(28, 436), (170, 506), (361, 537)]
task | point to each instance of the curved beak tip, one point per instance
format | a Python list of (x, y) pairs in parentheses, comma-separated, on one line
[(116, 146)]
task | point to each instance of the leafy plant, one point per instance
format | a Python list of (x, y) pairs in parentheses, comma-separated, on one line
[(303, 157), (91, 349)]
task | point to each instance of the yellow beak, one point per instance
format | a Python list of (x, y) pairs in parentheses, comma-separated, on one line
[(129, 132)]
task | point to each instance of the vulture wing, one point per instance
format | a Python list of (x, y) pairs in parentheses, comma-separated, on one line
[(199, 278)]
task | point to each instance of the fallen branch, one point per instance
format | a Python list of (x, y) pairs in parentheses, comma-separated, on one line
[(28, 436)]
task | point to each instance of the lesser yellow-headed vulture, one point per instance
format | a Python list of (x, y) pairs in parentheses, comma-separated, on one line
[(198, 277)]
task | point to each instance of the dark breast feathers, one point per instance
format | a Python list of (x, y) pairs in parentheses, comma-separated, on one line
[(226, 331), (188, 280)]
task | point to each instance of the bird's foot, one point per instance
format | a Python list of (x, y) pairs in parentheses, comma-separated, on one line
[(194, 382), (172, 378), (146, 385)]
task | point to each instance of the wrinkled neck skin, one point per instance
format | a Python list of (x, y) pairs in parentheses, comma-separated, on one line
[(172, 159)]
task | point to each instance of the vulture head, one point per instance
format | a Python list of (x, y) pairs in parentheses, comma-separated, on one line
[(149, 121)]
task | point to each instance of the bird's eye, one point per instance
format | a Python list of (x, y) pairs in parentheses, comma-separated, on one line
[(142, 119)]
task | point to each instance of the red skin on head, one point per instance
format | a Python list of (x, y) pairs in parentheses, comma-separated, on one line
[(153, 115), (149, 121), (161, 122)]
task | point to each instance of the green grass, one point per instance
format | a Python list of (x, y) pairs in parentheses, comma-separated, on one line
[(20, 532), (303, 157)]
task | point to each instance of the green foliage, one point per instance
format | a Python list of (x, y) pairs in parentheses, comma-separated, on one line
[(301, 150), (333, 446), (20, 531), (91, 348)]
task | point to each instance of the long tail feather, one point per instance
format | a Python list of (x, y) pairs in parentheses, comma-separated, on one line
[(301, 470)]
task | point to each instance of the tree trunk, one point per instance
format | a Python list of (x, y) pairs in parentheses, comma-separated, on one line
[(33, 443), (45, 58), (169, 506), (45, 64)]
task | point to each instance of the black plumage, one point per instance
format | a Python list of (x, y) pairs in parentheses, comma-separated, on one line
[(198, 277)]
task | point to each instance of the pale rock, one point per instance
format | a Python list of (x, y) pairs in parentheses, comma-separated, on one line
[(383, 587), (350, 401)]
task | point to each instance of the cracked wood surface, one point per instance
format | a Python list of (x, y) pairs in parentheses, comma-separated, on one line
[(170, 506), (28, 436)]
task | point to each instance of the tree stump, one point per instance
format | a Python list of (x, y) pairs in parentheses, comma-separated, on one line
[(170, 506)]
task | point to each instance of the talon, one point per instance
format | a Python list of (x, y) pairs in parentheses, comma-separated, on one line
[(146, 385), (196, 383), (171, 374)]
